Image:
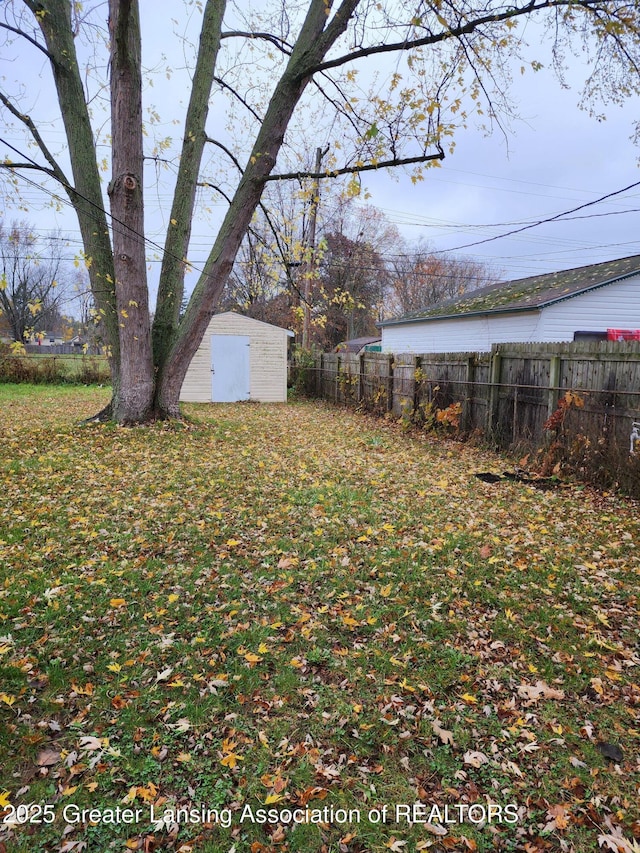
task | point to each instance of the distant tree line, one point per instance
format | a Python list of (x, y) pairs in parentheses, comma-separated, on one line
[(361, 271), (41, 291)]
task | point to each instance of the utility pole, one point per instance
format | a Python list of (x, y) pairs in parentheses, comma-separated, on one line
[(310, 266)]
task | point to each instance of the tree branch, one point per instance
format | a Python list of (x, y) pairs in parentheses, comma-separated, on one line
[(352, 170), (55, 171), (30, 39), (215, 188), (229, 153), (281, 44), (19, 166), (229, 88), (453, 32), (339, 108)]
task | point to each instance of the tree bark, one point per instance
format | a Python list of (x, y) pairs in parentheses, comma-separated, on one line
[(174, 261), (86, 193), (134, 401)]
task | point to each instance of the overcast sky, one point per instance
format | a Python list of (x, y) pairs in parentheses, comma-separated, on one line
[(556, 159)]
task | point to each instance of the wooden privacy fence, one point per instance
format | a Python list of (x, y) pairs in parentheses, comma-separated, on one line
[(508, 395)]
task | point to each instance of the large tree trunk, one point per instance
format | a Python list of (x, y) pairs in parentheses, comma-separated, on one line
[(313, 42), (85, 193), (133, 400), (171, 286)]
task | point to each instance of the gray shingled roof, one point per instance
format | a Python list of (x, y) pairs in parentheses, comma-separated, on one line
[(524, 294)]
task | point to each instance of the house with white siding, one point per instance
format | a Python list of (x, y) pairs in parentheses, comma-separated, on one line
[(559, 306), (239, 359)]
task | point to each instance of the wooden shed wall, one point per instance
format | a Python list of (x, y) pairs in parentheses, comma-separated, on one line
[(267, 360)]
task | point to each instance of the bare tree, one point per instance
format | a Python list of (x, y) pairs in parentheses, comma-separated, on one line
[(457, 56), (32, 280), (421, 279)]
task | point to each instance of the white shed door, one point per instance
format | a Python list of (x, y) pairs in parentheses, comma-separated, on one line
[(229, 368)]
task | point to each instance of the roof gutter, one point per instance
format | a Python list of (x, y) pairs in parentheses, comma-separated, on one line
[(459, 316)]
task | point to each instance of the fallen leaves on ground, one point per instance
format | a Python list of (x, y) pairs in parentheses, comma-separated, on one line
[(296, 606)]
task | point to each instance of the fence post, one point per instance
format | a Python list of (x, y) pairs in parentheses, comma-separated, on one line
[(360, 392), (320, 378), (337, 396), (467, 415), (390, 388), (494, 388), (417, 365), (554, 382)]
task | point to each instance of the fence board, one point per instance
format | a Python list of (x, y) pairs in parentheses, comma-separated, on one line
[(508, 394)]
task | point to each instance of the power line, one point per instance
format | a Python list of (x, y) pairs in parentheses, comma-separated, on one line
[(557, 216), (562, 216), (141, 237)]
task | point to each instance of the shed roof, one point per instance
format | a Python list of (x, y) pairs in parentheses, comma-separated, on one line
[(253, 320), (356, 344), (526, 294)]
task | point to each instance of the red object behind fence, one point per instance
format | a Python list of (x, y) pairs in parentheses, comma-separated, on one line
[(623, 334)]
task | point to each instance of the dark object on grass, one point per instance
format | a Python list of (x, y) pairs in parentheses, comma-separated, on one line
[(518, 477), (611, 751), (488, 477)]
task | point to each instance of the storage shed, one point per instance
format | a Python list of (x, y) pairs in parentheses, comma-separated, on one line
[(239, 359), (553, 307)]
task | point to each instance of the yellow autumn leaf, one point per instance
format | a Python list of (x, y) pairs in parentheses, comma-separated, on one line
[(385, 590), (273, 798), (148, 794), (231, 760), (231, 543), (117, 602), (252, 658), (4, 799), (114, 667), (467, 697), (263, 648), (172, 598), (69, 790)]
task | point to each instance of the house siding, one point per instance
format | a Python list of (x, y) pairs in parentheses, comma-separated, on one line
[(472, 334), (267, 360), (612, 306), (616, 306)]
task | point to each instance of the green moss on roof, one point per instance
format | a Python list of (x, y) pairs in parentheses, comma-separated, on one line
[(528, 293)]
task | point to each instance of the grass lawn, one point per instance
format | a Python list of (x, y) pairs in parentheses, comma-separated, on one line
[(294, 628), (42, 367)]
